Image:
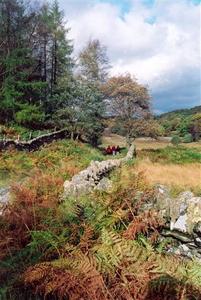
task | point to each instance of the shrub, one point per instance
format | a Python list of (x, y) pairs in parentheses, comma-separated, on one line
[(187, 138), (175, 140)]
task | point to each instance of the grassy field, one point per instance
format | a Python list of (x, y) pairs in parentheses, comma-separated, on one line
[(177, 177), (177, 167), (115, 139)]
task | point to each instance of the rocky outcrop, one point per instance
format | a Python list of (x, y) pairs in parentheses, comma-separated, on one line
[(183, 214), (184, 211), (35, 143), (94, 176)]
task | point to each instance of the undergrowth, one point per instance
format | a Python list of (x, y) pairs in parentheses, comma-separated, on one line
[(62, 158), (101, 247), (14, 131)]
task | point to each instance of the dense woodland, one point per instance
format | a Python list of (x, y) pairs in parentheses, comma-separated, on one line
[(38, 88), (42, 86)]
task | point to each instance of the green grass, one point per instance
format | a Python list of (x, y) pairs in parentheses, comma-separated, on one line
[(13, 131), (61, 157), (176, 155)]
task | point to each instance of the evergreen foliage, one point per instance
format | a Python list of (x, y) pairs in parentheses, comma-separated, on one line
[(38, 88)]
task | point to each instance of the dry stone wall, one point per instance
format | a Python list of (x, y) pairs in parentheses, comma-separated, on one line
[(35, 143), (184, 218), (94, 177)]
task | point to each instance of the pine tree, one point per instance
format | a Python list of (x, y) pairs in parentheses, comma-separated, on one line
[(35, 55), (60, 48), (20, 84)]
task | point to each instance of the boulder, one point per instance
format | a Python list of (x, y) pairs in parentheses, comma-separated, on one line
[(162, 200), (4, 195), (186, 212), (183, 221)]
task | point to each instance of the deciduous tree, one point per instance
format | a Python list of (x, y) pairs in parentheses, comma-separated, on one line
[(93, 62), (129, 100)]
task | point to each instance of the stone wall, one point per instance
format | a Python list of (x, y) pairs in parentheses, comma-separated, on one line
[(183, 216), (35, 143), (95, 176)]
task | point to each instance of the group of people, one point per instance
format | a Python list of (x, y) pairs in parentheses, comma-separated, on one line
[(112, 150)]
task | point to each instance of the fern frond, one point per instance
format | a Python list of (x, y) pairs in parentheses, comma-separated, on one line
[(143, 223)]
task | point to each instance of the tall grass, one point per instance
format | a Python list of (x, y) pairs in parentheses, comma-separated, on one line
[(177, 176)]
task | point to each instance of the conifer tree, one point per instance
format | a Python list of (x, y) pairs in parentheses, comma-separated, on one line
[(60, 48), (17, 82), (35, 55)]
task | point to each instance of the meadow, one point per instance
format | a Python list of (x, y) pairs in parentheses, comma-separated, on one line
[(162, 163)]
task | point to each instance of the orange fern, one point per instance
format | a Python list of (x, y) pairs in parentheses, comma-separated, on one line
[(148, 220)]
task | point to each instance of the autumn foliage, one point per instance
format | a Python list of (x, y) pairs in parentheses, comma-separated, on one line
[(102, 247)]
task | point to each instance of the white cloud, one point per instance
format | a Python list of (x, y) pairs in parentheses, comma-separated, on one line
[(165, 55)]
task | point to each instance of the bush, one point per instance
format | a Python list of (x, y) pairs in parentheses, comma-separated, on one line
[(175, 140), (187, 138)]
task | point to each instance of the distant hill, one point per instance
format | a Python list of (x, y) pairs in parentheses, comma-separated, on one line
[(180, 113), (182, 122)]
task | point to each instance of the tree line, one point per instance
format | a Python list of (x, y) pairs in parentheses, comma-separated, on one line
[(43, 86)]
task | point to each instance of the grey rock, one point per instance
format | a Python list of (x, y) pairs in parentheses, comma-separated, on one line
[(198, 241), (180, 224), (4, 195), (185, 251), (183, 237), (163, 200), (104, 185)]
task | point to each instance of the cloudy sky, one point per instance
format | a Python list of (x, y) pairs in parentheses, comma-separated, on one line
[(158, 41)]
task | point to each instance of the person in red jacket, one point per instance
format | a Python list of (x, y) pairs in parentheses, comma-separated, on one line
[(109, 150)]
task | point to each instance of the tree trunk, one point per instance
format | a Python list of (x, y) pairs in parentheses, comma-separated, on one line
[(52, 73), (55, 62)]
